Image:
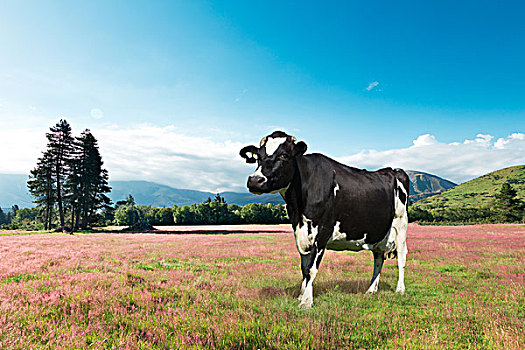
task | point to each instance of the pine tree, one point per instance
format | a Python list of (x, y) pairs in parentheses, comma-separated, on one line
[(508, 206), (73, 185), (14, 209), (41, 185), (90, 180), (60, 146), (2, 217)]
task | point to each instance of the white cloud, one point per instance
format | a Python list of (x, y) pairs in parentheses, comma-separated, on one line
[(456, 161), (372, 85), (512, 141), (97, 113), (20, 149), (481, 139), (163, 155), (424, 140)]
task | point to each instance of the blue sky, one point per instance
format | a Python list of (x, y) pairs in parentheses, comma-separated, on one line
[(359, 81)]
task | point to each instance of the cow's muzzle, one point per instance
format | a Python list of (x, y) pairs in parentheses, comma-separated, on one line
[(255, 184)]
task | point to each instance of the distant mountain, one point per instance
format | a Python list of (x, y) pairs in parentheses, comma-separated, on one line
[(423, 185), (479, 192), (151, 193), (13, 190)]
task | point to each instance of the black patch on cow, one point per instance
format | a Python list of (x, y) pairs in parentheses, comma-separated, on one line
[(401, 195), (321, 253)]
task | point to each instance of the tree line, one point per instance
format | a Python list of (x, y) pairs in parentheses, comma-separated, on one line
[(69, 184), (128, 213), (209, 212)]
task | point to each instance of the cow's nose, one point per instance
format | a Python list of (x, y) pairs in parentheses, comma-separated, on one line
[(255, 181)]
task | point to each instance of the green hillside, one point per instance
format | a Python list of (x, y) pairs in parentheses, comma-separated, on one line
[(479, 192)]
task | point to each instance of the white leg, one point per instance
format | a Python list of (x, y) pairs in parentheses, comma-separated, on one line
[(379, 258), (307, 300), (401, 247)]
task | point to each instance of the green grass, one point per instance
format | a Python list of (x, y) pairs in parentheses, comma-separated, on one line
[(465, 289), (479, 192)]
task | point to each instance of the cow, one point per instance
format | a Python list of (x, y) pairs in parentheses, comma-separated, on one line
[(333, 206)]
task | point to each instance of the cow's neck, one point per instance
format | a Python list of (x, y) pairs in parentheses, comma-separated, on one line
[(294, 195)]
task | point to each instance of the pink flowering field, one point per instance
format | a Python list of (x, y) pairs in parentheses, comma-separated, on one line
[(465, 289)]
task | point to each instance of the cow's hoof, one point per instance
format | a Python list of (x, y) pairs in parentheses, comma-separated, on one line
[(306, 305), (400, 288), (371, 290)]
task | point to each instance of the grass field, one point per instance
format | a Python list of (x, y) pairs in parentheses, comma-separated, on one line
[(465, 289)]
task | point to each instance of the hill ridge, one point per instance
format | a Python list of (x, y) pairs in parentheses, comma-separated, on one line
[(478, 192)]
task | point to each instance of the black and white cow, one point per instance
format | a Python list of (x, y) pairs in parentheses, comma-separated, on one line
[(333, 206)]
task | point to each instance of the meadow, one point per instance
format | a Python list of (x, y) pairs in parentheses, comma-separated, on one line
[(465, 289)]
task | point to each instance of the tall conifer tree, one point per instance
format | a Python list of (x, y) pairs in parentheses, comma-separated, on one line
[(509, 207), (41, 185), (60, 146), (92, 179), (70, 175)]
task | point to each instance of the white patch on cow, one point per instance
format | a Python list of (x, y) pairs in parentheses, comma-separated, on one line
[(399, 226), (273, 143), (303, 238), (303, 287), (337, 234), (338, 241), (374, 286), (258, 172), (336, 188), (378, 264)]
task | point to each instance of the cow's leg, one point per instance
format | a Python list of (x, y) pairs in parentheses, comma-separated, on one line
[(304, 269), (401, 224), (379, 258), (315, 256)]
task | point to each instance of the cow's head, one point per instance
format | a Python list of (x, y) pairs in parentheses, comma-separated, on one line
[(275, 158)]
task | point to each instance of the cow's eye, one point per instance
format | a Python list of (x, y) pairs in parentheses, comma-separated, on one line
[(283, 156)]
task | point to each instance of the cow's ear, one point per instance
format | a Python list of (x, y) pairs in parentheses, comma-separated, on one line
[(248, 153), (299, 148)]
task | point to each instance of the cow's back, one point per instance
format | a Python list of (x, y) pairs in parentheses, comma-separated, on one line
[(358, 201), (366, 203)]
